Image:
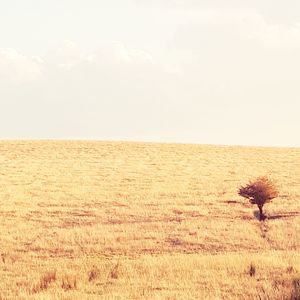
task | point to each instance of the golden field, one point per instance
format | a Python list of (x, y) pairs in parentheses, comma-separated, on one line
[(116, 220)]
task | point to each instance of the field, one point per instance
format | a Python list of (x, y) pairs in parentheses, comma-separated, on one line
[(113, 220)]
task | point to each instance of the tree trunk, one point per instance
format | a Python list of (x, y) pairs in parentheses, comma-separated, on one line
[(261, 214)]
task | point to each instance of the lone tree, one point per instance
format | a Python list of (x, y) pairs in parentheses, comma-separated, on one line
[(259, 192)]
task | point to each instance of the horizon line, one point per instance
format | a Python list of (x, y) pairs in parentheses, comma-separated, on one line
[(140, 141)]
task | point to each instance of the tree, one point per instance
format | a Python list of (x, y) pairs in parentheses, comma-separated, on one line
[(259, 192)]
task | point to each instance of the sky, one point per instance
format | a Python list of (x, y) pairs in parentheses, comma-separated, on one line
[(185, 71)]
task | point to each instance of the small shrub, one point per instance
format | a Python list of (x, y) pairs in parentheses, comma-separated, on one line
[(45, 281), (252, 270), (69, 282), (295, 294), (290, 269), (284, 288), (114, 272), (259, 192), (93, 273)]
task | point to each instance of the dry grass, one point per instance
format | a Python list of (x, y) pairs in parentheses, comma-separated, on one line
[(145, 221)]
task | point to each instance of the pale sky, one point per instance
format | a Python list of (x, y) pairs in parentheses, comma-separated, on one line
[(189, 71)]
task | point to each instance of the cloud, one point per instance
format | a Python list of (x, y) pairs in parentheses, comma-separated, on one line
[(18, 68), (113, 91), (238, 26), (265, 7), (215, 81), (66, 55), (220, 47), (278, 38)]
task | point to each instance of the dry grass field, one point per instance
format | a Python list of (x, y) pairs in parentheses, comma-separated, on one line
[(108, 220)]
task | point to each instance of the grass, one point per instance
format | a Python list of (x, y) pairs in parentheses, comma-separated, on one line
[(108, 220)]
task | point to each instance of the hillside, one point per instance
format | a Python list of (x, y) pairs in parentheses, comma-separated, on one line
[(114, 220)]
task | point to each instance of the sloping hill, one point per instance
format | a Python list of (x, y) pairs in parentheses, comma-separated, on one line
[(118, 220)]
